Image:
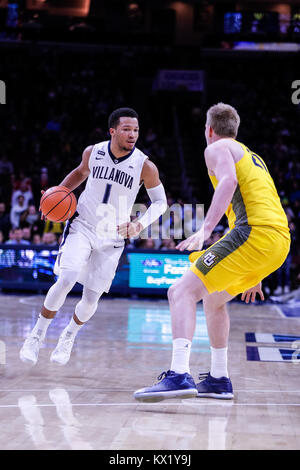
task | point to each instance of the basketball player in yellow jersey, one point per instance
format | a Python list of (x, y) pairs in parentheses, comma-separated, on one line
[(257, 244)]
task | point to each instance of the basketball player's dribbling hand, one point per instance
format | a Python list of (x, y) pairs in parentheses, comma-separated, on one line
[(130, 229), (251, 293), (42, 215)]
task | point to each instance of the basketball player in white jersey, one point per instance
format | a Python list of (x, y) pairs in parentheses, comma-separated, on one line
[(93, 239)]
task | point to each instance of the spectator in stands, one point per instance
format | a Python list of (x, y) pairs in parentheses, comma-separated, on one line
[(1, 237), (168, 244), (25, 191), (30, 215), (49, 238), (26, 233), (4, 220), (36, 239), (16, 210), (130, 243), (20, 180), (283, 275), (54, 227), (16, 237), (147, 244), (11, 236), (6, 167)]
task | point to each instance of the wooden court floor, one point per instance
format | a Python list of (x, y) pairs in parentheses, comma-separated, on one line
[(89, 404)]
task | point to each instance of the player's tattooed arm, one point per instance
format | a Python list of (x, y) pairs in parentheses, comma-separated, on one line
[(79, 174)]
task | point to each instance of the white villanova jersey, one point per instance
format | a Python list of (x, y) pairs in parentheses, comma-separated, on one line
[(111, 188)]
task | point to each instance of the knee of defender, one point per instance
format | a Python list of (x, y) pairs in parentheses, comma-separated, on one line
[(174, 293)]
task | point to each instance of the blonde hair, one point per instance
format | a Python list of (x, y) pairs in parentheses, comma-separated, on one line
[(224, 120)]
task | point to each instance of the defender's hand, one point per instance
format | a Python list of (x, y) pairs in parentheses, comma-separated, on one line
[(251, 293), (195, 241), (130, 229)]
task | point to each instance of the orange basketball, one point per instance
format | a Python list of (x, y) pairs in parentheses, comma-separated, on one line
[(58, 204)]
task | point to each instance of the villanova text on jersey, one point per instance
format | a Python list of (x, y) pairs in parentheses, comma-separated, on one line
[(110, 181), (113, 174)]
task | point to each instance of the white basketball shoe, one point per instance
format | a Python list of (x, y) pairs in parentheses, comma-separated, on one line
[(30, 349), (62, 352)]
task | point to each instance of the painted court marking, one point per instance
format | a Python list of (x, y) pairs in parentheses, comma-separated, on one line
[(272, 338), (46, 405), (268, 354), (103, 390)]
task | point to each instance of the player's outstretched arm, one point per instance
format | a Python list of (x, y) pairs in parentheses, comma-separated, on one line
[(220, 162), (79, 174), (157, 195)]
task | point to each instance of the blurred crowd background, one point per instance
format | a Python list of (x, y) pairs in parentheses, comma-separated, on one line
[(59, 98)]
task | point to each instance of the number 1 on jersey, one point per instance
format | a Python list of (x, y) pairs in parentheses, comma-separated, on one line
[(106, 193)]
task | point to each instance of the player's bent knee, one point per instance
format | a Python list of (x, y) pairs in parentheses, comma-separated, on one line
[(177, 292), (87, 306), (172, 293), (57, 293)]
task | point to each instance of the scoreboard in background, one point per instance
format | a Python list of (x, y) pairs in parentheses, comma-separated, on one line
[(259, 23)]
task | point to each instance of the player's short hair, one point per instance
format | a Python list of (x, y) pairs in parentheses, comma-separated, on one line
[(115, 116), (224, 120)]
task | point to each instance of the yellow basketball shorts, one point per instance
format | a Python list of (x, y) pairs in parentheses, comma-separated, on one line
[(242, 258)]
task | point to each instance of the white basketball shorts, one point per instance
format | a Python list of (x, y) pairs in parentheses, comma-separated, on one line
[(95, 259)]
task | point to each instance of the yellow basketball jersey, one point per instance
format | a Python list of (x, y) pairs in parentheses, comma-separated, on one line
[(255, 201)]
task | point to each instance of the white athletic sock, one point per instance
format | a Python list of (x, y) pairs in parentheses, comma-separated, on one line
[(41, 326), (73, 327), (181, 355), (219, 362)]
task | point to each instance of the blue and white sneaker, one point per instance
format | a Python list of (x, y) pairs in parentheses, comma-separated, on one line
[(211, 387), (171, 385)]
